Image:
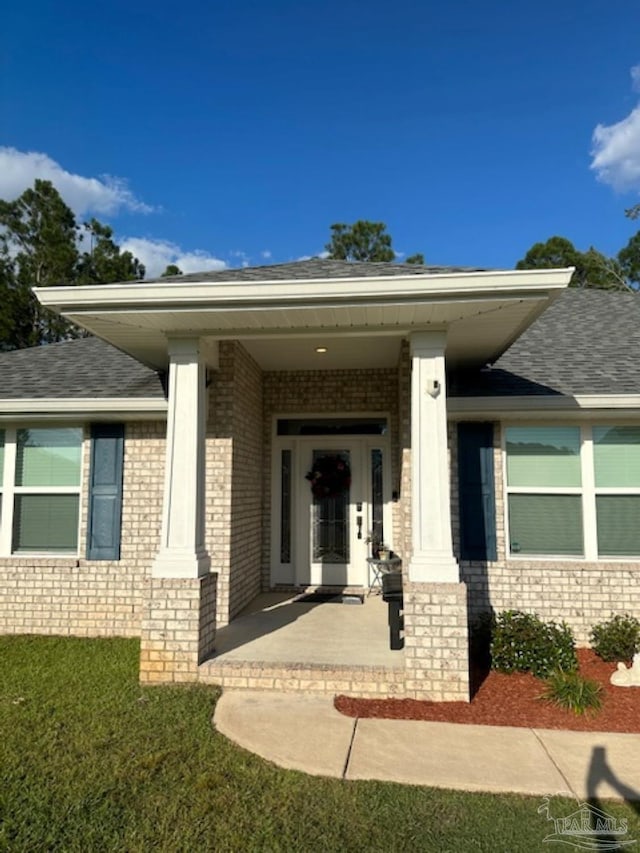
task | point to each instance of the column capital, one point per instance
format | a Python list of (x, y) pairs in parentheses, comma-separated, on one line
[(179, 347), (427, 343), (195, 349)]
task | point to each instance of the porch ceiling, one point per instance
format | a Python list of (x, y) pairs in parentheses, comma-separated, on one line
[(360, 321)]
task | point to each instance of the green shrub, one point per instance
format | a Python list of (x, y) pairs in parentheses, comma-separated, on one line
[(617, 639), (521, 642), (572, 691)]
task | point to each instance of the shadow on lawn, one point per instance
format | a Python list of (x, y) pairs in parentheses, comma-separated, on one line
[(600, 772)]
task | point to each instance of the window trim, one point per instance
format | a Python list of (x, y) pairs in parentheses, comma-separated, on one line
[(9, 490), (588, 490)]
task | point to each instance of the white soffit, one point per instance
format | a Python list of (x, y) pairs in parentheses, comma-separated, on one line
[(483, 313)]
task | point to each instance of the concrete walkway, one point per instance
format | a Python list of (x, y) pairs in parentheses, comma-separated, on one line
[(304, 732)]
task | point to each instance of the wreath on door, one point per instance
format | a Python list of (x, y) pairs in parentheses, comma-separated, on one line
[(329, 477)]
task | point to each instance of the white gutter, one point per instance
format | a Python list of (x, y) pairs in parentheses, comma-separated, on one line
[(304, 291), (540, 404), (105, 408)]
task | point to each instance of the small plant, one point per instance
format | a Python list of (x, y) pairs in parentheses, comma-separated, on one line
[(522, 642), (617, 639), (572, 691)]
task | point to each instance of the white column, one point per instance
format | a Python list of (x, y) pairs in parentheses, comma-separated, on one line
[(182, 551), (432, 558)]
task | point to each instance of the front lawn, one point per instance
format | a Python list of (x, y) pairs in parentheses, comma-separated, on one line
[(90, 761)]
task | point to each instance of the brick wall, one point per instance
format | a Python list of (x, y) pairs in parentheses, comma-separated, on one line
[(79, 597), (234, 456), (580, 592), (246, 494)]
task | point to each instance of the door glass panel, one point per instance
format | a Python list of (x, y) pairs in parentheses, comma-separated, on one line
[(377, 528), (285, 507), (330, 512)]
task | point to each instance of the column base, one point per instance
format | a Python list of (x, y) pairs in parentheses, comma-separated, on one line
[(180, 563), (434, 567), (436, 642), (178, 628)]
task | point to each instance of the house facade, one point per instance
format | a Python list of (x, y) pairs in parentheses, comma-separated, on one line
[(160, 475)]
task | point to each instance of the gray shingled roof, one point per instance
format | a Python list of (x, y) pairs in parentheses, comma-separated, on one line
[(586, 342), (314, 268), (87, 367)]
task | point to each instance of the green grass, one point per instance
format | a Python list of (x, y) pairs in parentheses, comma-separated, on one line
[(90, 761)]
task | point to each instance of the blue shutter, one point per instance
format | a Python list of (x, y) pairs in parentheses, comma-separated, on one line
[(476, 487), (105, 492)]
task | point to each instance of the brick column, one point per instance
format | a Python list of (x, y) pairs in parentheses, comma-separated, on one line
[(435, 602), (436, 642), (178, 626)]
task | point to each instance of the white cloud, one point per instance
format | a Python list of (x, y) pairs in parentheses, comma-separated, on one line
[(616, 152), (242, 257), (322, 255), (266, 254), (616, 148), (156, 255), (103, 195)]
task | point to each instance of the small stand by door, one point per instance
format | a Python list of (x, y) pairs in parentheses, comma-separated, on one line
[(378, 568)]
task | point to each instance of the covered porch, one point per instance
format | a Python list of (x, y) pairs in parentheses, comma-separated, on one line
[(232, 349), (282, 642)]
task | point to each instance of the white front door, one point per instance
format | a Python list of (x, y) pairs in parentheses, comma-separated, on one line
[(334, 506), (330, 496)]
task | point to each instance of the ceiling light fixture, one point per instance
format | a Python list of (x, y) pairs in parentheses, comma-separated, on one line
[(321, 349)]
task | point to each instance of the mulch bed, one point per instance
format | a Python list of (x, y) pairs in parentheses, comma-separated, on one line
[(512, 700)]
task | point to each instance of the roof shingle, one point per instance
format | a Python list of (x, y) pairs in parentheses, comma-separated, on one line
[(313, 268), (586, 342), (86, 367)]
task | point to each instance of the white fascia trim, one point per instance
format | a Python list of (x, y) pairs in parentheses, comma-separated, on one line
[(512, 283), (582, 403), (68, 407)]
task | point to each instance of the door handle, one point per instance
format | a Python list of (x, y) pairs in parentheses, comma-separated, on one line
[(359, 523)]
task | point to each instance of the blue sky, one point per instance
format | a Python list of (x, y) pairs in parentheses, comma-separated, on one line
[(237, 132)]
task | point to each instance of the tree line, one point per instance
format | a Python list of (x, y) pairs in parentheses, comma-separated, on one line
[(369, 241), (42, 244)]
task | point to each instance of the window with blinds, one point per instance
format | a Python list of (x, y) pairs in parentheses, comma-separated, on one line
[(616, 457), (1, 471), (544, 481), (573, 491), (46, 490)]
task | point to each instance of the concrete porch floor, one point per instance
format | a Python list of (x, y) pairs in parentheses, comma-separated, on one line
[(277, 629)]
